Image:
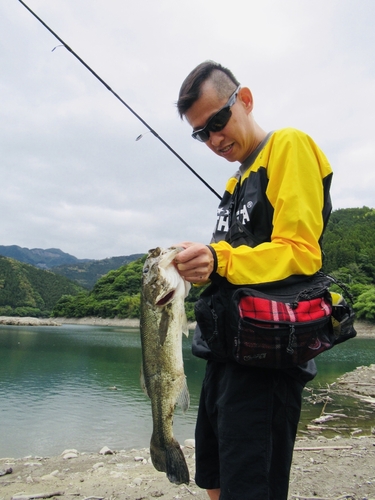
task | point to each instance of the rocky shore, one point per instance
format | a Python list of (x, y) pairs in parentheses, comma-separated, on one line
[(28, 321), (322, 469), (90, 321)]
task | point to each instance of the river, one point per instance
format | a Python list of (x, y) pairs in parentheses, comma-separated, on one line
[(78, 387)]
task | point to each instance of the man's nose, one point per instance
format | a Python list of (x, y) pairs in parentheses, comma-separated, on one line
[(216, 138)]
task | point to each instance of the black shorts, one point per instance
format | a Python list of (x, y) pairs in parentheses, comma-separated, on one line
[(245, 432)]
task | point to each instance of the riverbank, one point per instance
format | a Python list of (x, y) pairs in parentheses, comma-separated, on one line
[(28, 321), (90, 321), (322, 469), (364, 329)]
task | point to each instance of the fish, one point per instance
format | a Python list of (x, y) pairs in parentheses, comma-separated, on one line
[(162, 323)]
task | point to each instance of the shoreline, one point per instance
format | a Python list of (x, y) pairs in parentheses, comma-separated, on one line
[(364, 329), (125, 322), (89, 321)]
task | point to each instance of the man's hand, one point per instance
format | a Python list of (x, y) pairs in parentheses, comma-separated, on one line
[(195, 263)]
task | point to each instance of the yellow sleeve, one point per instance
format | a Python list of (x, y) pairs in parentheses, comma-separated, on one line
[(296, 168)]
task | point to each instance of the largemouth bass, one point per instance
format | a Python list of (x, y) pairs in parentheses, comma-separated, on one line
[(163, 320)]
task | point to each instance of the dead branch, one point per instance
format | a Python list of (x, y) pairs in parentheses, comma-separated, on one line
[(315, 448), (33, 496)]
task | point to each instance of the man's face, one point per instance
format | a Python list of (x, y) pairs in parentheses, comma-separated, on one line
[(236, 140)]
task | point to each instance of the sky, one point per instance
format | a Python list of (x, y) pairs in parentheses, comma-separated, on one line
[(72, 174)]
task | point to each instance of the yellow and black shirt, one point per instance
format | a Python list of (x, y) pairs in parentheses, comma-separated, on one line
[(273, 213)]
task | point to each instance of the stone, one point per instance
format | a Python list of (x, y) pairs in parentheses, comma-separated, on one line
[(72, 450), (116, 475), (50, 476), (106, 451)]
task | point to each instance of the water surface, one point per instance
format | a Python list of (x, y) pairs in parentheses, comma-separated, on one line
[(57, 388)]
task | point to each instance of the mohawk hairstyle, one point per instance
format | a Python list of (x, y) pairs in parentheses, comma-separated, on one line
[(222, 78)]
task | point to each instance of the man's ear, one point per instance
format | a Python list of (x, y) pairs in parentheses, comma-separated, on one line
[(246, 98)]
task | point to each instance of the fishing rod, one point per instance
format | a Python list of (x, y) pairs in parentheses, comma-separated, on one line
[(121, 100)]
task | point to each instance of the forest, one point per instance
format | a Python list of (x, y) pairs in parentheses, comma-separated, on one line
[(26, 290), (349, 256)]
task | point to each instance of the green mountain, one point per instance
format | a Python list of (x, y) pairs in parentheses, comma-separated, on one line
[(117, 294), (44, 259), (87, 274), (349, 242), (28, 291)]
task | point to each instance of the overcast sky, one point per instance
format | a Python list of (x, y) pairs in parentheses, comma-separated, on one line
[(72, 175)]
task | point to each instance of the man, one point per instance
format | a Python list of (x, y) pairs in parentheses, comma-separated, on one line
[(269, 228)]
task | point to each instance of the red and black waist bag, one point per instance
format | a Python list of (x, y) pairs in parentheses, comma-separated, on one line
[(276, 327)]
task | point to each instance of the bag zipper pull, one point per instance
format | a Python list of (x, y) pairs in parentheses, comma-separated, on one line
[(215, 317), (290, 349)]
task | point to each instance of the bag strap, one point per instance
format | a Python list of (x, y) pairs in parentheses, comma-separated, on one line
[(340, 284)]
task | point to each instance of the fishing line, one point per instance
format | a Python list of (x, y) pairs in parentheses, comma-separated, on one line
[(121, 100)]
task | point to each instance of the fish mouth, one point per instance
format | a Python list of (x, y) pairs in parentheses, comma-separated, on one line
[(166, 298)]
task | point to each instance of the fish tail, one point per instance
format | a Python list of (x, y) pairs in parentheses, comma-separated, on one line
[(171, 460)]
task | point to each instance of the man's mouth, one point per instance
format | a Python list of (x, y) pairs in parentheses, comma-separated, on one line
[(226, 149)]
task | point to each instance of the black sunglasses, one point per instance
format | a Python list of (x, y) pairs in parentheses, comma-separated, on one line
[(218, 121)]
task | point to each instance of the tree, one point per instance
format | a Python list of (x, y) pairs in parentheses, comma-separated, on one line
[(365, 305)]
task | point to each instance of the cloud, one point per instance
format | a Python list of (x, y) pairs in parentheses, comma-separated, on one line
[(72, 174)]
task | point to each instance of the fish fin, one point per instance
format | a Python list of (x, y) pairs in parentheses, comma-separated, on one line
[(187, 288), (183, 399), (171, 460), (185, 327), (143, 382)]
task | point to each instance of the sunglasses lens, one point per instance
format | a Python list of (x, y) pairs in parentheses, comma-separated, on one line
[(201, 135), (219, 121)]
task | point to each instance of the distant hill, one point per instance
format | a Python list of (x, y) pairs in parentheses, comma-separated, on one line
[(26, 290), (87, 274), (44, 259)]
